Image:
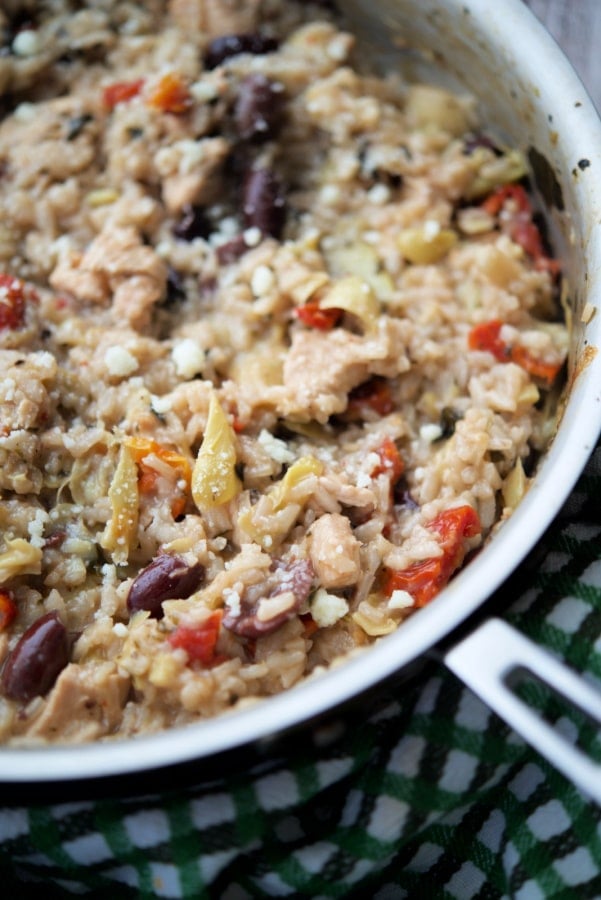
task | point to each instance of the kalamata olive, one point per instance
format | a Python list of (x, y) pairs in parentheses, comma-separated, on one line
[(232, 250), (264, 206), (226, 45), (166, 578), (192, 224), (37, 660), (258, 107), (288, 582)]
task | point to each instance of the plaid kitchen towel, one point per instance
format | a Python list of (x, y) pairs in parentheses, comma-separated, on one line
[(431, 797)]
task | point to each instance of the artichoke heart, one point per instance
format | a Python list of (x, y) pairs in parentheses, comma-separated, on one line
[(214, 479), (122, 527)]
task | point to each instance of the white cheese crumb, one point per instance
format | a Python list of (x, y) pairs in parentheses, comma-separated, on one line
[(204, 91), (430, 433), (26, 43), (160, 405), (363, 480), (401, 600), (252, 236), (231, 599), (120, 629), (327, 609), (275, 448), (120, 361), (188, 357), (25, 112), (36, 528), (329, 194), (431, 229), (262, 281), (338, 48), (379, 194)]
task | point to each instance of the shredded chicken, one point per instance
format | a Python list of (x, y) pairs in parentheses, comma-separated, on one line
[(115, 266), (322, 367)]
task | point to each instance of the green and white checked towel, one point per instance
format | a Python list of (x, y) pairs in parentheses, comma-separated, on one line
[(432, 797)]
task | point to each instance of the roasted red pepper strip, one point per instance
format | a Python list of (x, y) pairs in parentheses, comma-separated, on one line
[(199, 641), (313, 316), (390, 460), (8, 609), (520, 226), (14, 295), (487, 336), (170, 95), (423, 580), (121, 91)]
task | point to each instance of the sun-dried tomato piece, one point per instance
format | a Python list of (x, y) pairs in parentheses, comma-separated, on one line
[(425, 579), (487, 336), (14, 296), (311, 315), (170, 95), (8, 609), (199, 641), (391, 462), (121, 92)]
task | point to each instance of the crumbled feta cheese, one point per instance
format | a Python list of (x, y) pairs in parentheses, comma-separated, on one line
[(36, 528), (188, 357), (252, 236), (25, 112), (401, 600), (120, 362), (275, 448), (26, 43), (327, 609), (160, 405), (363, 480), (430, 433), (379, 194), (431, 229), (338, 48), (262, 281), (204, 91), (231, 599), (329, 194), (120, 629)]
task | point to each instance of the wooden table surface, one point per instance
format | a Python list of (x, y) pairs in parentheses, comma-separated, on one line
[(576, 26)]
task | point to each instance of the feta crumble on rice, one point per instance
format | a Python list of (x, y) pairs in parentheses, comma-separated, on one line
[(188, 357), (327, 609), (120, 362)]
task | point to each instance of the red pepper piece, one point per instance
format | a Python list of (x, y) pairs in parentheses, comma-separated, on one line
[(8, 609), (486, 336), (546, 372), (520, 226), (313, 316), (170, 95), (199, 641), (423, 580), (390, 460), (14, 295), (121, 92)]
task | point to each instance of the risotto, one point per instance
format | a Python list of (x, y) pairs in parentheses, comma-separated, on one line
[(280, 344)]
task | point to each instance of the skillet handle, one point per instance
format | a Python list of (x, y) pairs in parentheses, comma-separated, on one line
[(485, 660)]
